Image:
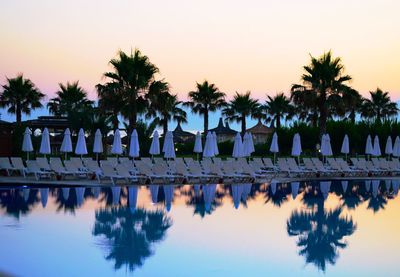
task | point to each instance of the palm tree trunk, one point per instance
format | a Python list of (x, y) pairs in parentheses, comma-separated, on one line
[(322, 119), (205, 122), (278, 121), (18, 114), (165, 126), (243, 124)]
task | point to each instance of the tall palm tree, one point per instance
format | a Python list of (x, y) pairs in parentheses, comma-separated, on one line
[(207, 98), (351, 101), (70, 98), (20, 95), (379, 106), (323, 78), (277, 108), (110, 101), (164, 106), (240, 107), (133, 75)]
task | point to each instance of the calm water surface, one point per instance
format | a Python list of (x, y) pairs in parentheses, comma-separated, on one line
[(330, 228)]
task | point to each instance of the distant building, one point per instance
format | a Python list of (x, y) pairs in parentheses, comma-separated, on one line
[(224, 133), (181, 136), (260, 132)]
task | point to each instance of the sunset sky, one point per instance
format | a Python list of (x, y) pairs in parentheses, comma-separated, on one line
[(259, 46)]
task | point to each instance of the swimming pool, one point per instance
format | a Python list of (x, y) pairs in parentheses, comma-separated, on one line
[(331, 228)]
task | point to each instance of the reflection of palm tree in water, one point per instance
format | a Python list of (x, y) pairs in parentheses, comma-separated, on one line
[(320, 232), (17, 202), (128, 236), (196, 198)]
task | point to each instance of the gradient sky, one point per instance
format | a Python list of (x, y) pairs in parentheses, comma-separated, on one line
[(259, 46)]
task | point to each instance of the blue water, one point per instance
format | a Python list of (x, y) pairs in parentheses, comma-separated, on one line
[(329, 228)]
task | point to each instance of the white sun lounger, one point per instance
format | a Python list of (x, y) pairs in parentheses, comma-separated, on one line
[(18, 164), (32, 167)]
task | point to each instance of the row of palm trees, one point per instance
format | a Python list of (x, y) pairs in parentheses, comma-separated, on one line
[(131, 90)]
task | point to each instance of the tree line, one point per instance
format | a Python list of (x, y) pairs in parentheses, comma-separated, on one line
[(131, 91)]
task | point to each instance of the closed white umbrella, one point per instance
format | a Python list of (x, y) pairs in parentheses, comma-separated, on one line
[(274, 148), (208, 151), (66, 145), (251, 143), (389, 146), (396, 147), (134, 148), (345, 146), (237, 147), (155, 144), (296, 146), (80, 148), (376, 150), (326, 149), (246, 150), (168, 147), (198, 146), (216, 150), (116, 147), (27, 142), (368, 146), (45, 143), (98, 143)]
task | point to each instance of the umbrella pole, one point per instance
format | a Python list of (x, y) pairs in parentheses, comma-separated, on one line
[(274, 157), (97, 157), (27, 155)]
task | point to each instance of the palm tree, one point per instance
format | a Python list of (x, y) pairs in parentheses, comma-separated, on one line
[(240, 108), (207, 98), (379, 106), (20, 96), (277, 108), (351, 101), (70, 99), (323, 79), (164, 106), (110, 101), (132, 75)]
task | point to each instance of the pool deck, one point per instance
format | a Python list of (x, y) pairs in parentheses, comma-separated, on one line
[(11, 181)]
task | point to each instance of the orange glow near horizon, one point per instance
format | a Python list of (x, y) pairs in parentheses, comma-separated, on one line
[(259, 46)]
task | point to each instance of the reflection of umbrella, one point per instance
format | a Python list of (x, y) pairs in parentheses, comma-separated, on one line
[(169, 195), (155, 144), (27, 142), (45, 143), (65, 193), (368, 146), (198, 147), (295, 189), (395, 184), (80, 148), (196, 189), (44, 194), (208, 151), (96, 192), (375, 187), (80, 192), (376, 149), (345, 146), (26, 193), (154, 193), (325, 187), (98, 143), (216, 150), (274, 148), (396, 147), (273, 186), (344, 185), (116, 192), (236, 194), (367, 184), (389, 146), (116, 147), (134, 148), (66, 145), (238, 147), (246, 189), (168, 147), (208, 195), (132, 197), (388, 183)]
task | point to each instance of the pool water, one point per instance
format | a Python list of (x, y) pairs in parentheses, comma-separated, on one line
[(328, 228)]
